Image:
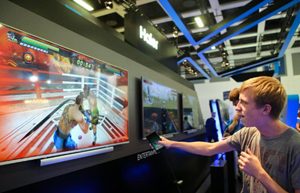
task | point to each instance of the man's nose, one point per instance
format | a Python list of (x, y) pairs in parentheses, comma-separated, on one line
[(237, 108)]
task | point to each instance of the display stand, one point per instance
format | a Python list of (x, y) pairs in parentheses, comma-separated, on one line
[(219, 179), (68, 157)]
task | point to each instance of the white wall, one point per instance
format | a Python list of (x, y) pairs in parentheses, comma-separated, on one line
[(291, 82), (207, 91)]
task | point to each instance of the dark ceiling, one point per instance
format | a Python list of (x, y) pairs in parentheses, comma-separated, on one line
[(249, 33)]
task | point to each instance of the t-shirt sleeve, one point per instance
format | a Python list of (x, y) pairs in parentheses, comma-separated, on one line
[(235, 140)]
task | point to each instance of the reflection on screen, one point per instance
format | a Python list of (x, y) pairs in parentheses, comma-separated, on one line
[(160, 108)]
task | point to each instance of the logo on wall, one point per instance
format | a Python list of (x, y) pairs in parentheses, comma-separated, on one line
[(147, 37), (146, 154)]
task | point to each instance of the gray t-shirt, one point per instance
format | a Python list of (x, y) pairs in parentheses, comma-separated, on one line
[(279, 156)]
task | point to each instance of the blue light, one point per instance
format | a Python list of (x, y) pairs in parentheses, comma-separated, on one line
[(172, 13), (296, 23), (137, 171), (290, 35), (218, 124), (292, 110), (72, 9), (177, 20)]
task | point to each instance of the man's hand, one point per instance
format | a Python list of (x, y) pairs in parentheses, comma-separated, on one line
[(249, 163), (236, 117), (165, 142)]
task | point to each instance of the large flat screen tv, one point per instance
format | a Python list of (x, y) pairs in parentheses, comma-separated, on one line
[(223, 111), (192, 119), (160, 108), (41, 91)]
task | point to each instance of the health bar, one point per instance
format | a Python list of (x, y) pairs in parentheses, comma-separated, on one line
[(112, 69), (36, 43)]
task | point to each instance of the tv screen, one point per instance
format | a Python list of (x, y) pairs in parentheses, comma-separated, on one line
[(191, 115), (56, 101), (160, 108), (223, 110)]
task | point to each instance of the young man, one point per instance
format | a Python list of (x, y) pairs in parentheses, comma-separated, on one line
[(236, 123), (70, 117), (270, 157)]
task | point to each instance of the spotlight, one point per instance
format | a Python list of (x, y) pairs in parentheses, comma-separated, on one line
[(108, 4), (175, 32), (224, 55)]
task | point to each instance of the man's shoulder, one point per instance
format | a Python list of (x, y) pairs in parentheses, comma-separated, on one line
[(75, 114), (294, 135), (247, 131)]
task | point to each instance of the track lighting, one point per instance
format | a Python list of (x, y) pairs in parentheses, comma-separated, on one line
[(189, 68)]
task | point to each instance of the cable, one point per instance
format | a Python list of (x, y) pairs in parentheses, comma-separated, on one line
[(176, 181)]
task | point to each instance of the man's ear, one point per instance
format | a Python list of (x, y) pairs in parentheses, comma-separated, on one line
[(267, 109)]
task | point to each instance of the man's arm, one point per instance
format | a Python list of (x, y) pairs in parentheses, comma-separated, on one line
[(250, 164), (82, 124), (200, 148), (235, 121)]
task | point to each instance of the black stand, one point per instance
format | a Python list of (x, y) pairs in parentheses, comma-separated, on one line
[(231, 165), (219, 180)]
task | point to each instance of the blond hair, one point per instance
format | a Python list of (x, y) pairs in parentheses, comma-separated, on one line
[(234, 94), (267, 90)]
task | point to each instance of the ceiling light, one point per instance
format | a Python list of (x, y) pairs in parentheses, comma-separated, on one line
[(213, 47), (84, 5), (108, 4), (199, 22)]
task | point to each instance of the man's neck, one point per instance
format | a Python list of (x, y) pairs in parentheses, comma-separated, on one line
[(272, 128)]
